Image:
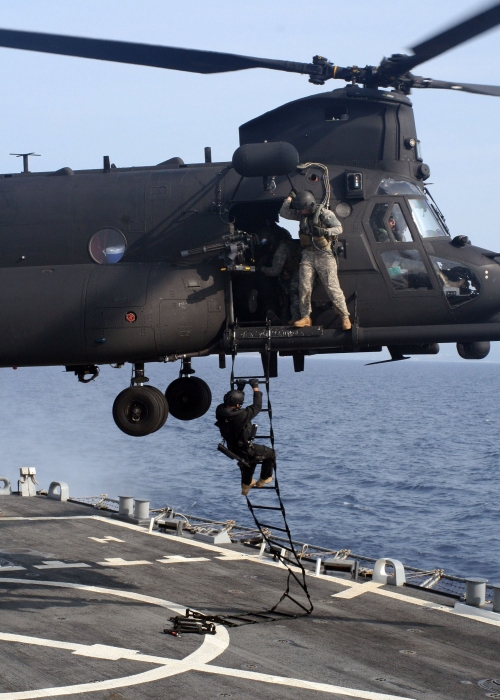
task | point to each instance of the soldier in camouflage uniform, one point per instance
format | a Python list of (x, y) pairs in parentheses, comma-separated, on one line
[(318, 226), (285, 266)]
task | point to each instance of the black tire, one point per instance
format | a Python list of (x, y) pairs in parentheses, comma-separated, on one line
[(160, 397), (138, 411), (188, 398)]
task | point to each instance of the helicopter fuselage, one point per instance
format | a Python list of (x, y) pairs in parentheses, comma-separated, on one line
[(91, 271)]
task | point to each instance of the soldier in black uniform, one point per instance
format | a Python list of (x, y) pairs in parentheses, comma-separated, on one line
[(235, 425)]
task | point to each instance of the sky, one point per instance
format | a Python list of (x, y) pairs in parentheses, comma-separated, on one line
[(73, 111)]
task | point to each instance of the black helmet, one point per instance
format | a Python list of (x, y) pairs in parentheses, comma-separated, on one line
[(283, 234), (304, 200), (234, 398)]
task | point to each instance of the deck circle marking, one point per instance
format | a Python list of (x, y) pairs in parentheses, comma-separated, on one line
[(198, 660), (210, 649)]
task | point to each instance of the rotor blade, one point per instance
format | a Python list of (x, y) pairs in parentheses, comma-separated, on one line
[(493, 90), (468, 29), (190, 60)]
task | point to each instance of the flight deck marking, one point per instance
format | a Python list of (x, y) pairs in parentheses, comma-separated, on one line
[(105, 539), (177, 559), (117, 561), (229, 555), (210, 649), (12, 568), (54, 564), (361, 588)]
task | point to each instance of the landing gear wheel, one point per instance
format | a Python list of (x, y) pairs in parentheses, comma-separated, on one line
[(160, 397), (140, 410), (188, 398)]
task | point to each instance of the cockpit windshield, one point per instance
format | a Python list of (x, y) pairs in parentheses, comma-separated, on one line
[(390, 185), (425, 219)]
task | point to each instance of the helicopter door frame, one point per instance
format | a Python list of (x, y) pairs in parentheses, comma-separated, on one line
[(379, 247)]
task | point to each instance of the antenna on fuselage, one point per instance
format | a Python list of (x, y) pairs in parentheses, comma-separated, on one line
[(25, 157)]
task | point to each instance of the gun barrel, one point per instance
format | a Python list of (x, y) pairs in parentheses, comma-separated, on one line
[(204, 249), (226, 452), (231, 455)]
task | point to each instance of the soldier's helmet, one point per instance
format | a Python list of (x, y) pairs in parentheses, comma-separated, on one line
[(234, 398), (304, 200)]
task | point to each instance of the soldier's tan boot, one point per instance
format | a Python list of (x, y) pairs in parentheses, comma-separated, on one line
[(245, 488), (303, 322), (262, 482), (346, 323)]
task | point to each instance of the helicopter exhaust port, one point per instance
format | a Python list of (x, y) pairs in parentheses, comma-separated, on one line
[(474, 351)]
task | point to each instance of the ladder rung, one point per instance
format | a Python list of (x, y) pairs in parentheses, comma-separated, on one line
[(273, 543), (264, 437), (273, 527), (257, 376), (267, 507)]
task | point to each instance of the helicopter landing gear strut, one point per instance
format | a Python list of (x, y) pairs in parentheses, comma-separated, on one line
[(188, 397), (140, 410)]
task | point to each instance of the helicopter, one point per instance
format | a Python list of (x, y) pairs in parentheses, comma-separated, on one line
[(158, 263)]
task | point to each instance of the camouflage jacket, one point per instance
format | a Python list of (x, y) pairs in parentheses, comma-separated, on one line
[(280, 257), (326, 220)]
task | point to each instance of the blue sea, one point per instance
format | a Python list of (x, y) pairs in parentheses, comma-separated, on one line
[(399, 459)]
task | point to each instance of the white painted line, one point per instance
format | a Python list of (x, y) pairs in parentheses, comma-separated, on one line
[(54, 564), (211, 647), (199, 660), (255, 558), (297, 683), (117, 561), (103, 651), (4, 569), (361, 588), (105, 539), (476, 614), (232, 556), (174, 559), (52, 517)]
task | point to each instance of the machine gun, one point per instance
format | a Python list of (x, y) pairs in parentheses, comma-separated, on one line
[(233, 249), (241, 462)]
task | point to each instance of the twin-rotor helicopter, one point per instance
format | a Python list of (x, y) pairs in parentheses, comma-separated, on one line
[(160, 263)]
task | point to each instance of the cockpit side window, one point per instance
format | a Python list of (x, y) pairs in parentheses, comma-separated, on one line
[(389, 224), (406, 269), (425, 220), (460, 283)]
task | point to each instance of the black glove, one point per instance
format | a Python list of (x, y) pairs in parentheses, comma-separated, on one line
[(254, 383), (293, 194), (241, 384), (319, 231)]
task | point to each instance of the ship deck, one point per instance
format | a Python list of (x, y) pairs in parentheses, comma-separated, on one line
[(85, 599)]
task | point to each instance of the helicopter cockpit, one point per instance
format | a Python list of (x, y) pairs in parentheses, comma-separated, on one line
[(404, 263)]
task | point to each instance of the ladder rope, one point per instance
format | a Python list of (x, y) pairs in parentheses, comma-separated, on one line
[(277, 548)]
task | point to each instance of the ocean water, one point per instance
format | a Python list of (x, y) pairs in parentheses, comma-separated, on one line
[(400, 459)]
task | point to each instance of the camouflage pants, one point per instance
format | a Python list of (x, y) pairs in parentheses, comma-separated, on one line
[(325, 266), (293, 291)]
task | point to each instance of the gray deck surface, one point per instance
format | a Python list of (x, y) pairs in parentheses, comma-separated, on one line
[(385, 643)]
